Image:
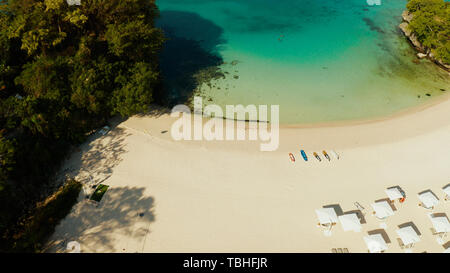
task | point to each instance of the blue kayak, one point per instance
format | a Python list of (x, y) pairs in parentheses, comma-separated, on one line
[(305, 157)]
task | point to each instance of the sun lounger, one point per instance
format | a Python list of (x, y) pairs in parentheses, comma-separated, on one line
[(400, 243), (433, 231), (361, 208)]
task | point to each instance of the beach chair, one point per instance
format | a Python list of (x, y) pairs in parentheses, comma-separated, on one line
[(358, 206), (361, 208), (333, 250), (400, 243), (346, 250), (433, 231), (339, 250)]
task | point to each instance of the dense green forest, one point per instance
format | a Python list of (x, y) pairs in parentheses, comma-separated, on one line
[(64, 70), (431, 24)]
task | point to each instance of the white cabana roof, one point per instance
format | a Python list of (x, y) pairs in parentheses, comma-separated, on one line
[(394, 193), (408, 235), (440, 223), (326, 216), (350, 222), (428, 199), (446, 190), (382, 209), (375, 243)]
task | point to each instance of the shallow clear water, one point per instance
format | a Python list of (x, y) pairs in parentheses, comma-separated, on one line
[(321, 61)]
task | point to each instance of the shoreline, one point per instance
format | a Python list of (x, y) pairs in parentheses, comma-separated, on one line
[(410, 110), (342, 123), (226, 196)]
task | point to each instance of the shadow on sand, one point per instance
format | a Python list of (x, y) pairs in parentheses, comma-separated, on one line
[(119, 223), (93, 162)]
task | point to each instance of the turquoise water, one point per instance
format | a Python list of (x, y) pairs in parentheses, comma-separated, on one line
[(321, 61)]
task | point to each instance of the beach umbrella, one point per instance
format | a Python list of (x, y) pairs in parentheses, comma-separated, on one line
[(408, 235), (394, 193), (73, 247), (375, 243), (440, 223), (327, 216), (350, 222), (382, 209), (428, 199)]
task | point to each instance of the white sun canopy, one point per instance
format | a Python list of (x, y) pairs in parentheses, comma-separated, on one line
[(350, 222), (428, 199), (382, 209), (440, 223), (408, 235), (375, 243), (447, 190), (326, 216), (394, 193)]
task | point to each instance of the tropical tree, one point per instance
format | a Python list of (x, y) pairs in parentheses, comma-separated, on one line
[(65, 68)]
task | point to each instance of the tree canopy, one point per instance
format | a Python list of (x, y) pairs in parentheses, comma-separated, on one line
[(431, 24), (64, 70)]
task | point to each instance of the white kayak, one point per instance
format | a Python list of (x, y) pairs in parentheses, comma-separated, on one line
[(334, 154)]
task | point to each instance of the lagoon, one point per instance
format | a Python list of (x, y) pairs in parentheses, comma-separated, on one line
[(321, 61)]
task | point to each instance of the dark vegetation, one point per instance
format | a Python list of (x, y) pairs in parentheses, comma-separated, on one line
[(431, 25), (32, 231), (64, 71)]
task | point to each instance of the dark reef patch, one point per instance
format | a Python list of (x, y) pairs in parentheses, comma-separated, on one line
[(372, 25), (190, 56)]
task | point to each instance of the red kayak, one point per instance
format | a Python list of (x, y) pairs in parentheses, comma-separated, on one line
[(292, 157)]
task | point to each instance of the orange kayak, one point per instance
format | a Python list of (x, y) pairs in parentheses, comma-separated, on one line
[(317, 156)]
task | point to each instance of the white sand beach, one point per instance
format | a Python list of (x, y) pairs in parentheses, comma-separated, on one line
[(199, 196)]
